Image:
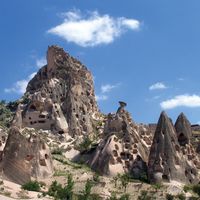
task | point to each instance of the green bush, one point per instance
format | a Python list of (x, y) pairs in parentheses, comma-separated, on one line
[(57, 151), (169, 197), (157, 186), (181, 196), (32, 186), (125, 197), (196, 189), (144, 196), (6, 116), (58, 192), (96, 178), (87, 191), (125, 179), (85, 145), (187, 188)]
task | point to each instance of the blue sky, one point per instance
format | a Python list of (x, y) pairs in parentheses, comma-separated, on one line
[(146, 53)]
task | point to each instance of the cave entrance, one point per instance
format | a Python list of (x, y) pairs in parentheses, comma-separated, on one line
[(182, 139)]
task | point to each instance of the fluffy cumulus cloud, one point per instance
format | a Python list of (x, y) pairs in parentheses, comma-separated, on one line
[(41, 62), (93, 29), (20, 86), (186, 100), (108, 87), (158, 86)]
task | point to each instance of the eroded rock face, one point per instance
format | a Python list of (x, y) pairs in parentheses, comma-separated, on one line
[(61, 97), (123, 149), (168, 160), (183, 130), (25, 155)]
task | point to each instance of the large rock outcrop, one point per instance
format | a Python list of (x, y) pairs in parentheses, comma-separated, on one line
[(61, 97), (123, 149), (168, 160), (183, 130), (25, 156)]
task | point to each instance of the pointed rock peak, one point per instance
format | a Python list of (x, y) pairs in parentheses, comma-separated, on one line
[(164, 120), (164, 115), (61, 97), (163, 155), (182, 117), (183, 129)]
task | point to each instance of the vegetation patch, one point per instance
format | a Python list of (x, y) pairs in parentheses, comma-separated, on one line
[(32, 186)]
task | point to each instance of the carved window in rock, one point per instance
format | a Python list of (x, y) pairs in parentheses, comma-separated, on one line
[(32, 108), (165, 177), (42, 116), (125, 155), (41, 121)]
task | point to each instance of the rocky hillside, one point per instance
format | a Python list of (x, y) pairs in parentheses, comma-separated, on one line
[(57, 130)]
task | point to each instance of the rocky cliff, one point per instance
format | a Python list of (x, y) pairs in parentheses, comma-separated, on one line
[(124, 147), (61, 97)]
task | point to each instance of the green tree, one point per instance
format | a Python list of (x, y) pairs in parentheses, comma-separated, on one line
[(88, 188), (62, 193), (124, 181), (125, 197)]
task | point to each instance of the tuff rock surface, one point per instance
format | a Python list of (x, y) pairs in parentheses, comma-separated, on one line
[(25, 156), (183, 130), (61, 97), (123, 148), (168, 159), (60, 101)]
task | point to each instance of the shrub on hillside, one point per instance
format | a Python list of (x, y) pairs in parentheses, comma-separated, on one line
[(32, 186)]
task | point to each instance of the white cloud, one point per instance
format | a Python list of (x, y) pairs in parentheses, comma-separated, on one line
[(20, 86), (41, 62), (181, 101), (92, 30), (158, 86), (108, 87), (101, 97)]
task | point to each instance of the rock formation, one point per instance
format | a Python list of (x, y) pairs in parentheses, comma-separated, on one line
[(25, 156), (123, 149), (60, 100), (183, 130), (61, 97), (168, 160)]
